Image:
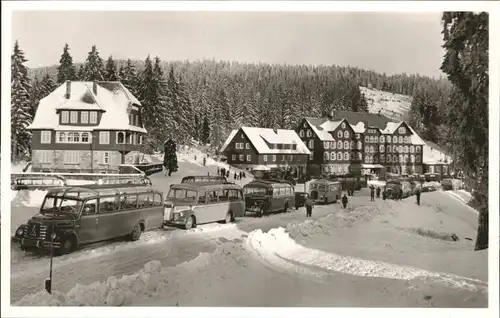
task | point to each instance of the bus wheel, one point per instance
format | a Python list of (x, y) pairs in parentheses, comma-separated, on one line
[(136, 232), (67, 246), (260, 213), (229, 217), (286, 207), (190, 223), (326, 201)]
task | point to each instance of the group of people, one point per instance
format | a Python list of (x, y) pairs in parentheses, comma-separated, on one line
[(309, 204), (397, 193), (223, 172)]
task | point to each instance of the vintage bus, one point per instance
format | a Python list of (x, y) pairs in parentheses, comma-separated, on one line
[(213, 179), (138, 180), (325, 191), (191, 204), (268, 196), (37, 182), (393, 186), (72, 216)]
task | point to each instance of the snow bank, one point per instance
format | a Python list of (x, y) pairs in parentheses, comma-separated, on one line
[(151, 281), (376, 183), (277, 249)]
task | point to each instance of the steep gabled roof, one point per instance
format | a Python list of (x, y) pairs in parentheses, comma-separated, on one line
[(262, 138), (315, 124), (112, 98), (371, 120)]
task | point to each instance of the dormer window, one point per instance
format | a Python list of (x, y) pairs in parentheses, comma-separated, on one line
[(402, 130), (301, 134), (64, 117), (294, 147), (74, 117), (93, 117), (343, 125)]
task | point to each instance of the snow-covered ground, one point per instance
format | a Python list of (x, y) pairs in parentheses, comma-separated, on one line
[(361, 251), (395, 106)]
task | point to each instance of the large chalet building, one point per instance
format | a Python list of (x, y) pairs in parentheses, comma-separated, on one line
[(348, 142), (90, 127), (250, 147)]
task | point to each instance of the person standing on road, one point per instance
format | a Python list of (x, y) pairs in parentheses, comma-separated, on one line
[(417, 194), (309, 204), (345, 200), (372, 193), (378, 192), (400, 194), (235, 176), (241, 175), (384, 193)]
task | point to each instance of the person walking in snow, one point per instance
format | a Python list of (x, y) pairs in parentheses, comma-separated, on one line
[(384, 193), (417, 194), (235, 176), (241, 175), (309, 204), (227, 173), (372, 193), (345, 200), (204, 161), (400, 194), (218, 171), (378, 192)]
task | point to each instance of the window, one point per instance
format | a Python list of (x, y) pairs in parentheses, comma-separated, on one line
[(352, 145), (309, 133), (120, 137), (76, 137), (145, 200), (395, 149), (45, 156), (388, 139), (376, 139), (418, 149), (346, 156), (412, 158), (327, 156), (64, 117), (131, 138), (400, 149), (389, 158), (237, 145), (274, 158), (334, 145), (367, 149), (360, 146), (310, 144), (74, 117), (301, 133), (290, 157), (346, 134), (104, 137), (93, 117), (140, 139), (412, 149), (382, 158), (84, 117), (339, 144), (402, 130), (406, 139), (360, 156), (72, 157), (358, 136), (382, 148), (389, 148), (233, 158), (305, 125), (339, 155), (372, 139), (417, 158), (340, 134), (406, 149), (326, 169), (395, 158), (85, 137), (343, 126), (242, 136), (326, 144), (247, 145), (128, 201), (367, 139), (241, 157), (372, 149), (46, 137), (346, 145), (401, 158), (405, 158), (400, 139), (60, 137), (282, 157), (105, 158), (394, 139), (382, 139), (264, 158), (333, 156)]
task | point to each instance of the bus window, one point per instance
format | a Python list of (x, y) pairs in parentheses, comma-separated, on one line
[(128, 201), (223, 195), (107, 205), (157, 199), (202, 197), (89, 208), (233, 195), (211, 197), (145, 200)]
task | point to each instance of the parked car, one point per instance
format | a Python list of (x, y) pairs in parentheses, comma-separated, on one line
[(451, 184), (430, 186), (300, 199)]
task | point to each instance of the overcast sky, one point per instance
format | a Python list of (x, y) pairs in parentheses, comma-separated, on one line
[(385, 42)]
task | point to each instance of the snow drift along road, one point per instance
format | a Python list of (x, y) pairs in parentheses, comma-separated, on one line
[(280, 251)]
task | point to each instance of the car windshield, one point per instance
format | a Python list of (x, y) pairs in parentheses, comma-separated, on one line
[(182, 194), (60, 205), (255, 191)]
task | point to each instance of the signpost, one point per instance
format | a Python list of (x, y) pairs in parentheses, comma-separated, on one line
[(48, 281)]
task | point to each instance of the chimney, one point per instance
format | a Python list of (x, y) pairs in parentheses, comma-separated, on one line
[(68, 90), (330, 115), (94, 88)]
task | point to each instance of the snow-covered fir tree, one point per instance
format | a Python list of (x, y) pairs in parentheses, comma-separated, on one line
[(111, 73), (94, 66), (129, 77), (21, 107), (205, 133), (81, 73), (185, 114), (66, 70), (47, 86)]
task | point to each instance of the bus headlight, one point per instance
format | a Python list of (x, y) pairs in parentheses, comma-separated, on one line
[(53, 236), (20, 231), (181, 214)]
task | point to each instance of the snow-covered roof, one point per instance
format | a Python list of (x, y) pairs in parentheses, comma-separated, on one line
[(261, 138), (228, 140), (391, 127), (359, 128), (112, 98), (330, 125), (415, 138), (322, 134), (432, 155)]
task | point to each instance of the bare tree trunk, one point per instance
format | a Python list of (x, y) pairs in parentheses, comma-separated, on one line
[(482, 229)]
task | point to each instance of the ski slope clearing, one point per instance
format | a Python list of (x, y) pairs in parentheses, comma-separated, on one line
[(395, 106)]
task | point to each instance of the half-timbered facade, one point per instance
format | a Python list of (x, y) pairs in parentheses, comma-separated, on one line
[(348, 142), (90, 127), (249, 147)]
